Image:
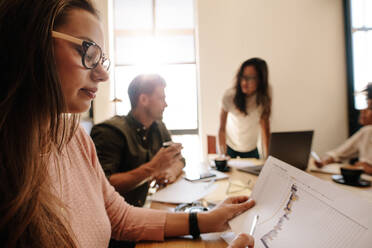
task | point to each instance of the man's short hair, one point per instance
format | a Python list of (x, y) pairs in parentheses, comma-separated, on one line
[(143, 84)]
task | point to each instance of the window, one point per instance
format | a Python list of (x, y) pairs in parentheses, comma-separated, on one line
[(361, 29), (158, 36), (358, 30)]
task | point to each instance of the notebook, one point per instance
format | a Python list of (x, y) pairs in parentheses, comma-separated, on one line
[(291, 147)]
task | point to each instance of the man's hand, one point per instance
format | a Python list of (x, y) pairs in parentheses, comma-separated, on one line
[(170, 175), (165, 158)]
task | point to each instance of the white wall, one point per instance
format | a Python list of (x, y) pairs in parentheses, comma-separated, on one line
[(303, 44)]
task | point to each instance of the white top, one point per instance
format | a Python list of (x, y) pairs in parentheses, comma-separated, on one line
[(241, 130), (359, 145)]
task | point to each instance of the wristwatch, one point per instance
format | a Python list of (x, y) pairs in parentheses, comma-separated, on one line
[(193, 225)]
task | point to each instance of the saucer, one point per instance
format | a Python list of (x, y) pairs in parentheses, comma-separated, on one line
[(360, 183)]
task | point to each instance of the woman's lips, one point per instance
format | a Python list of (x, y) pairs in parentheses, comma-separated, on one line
[(91, 93)]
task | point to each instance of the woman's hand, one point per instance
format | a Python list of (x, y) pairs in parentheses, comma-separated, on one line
[(241, 241), (328, 160), (366, 167), (217, 219)]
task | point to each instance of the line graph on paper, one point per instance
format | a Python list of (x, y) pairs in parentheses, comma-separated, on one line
[(265, 239), (297, 209)]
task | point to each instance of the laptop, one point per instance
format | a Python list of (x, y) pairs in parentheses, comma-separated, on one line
[(291, 147)]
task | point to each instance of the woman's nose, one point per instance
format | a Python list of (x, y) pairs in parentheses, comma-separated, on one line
[(100, 74)]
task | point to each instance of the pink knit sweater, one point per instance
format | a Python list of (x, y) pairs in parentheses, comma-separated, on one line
[(95, 210)]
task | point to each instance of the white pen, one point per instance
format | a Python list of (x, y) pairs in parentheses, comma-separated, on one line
[(254, 223)]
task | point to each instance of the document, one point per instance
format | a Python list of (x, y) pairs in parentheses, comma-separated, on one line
[(241, 163), (300, 210), (183, 191), (333, 168)]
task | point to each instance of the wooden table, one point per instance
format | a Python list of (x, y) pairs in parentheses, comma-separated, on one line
[(238, 183)]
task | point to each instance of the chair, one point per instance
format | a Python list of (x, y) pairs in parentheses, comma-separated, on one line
[(212, 144)]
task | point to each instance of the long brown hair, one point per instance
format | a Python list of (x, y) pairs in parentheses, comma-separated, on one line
[(263, 94), (33, 123)]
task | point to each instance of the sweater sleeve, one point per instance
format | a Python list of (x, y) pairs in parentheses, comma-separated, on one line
[(349, 149), (127, 222)]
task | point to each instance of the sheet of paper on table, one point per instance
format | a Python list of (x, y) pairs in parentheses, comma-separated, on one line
[(299, 210), (219, 175), (236, 163), (183, 191), (328, 169)]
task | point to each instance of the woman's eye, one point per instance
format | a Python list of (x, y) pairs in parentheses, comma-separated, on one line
[(80, 51)]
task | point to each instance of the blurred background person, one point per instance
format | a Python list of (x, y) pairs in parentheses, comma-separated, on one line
[(246, 110), (359, 145)]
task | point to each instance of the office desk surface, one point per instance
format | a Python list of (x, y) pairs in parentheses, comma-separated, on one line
[(239, 183)]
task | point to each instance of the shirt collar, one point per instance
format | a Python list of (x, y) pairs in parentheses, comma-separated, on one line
[(139, 127)]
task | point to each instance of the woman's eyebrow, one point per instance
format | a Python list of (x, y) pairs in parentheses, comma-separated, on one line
[(86, 39)]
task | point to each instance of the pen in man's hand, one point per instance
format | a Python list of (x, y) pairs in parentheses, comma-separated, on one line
[(254, 223)]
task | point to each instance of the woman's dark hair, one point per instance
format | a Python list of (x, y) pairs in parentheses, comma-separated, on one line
[(33, 123), (263, 94), (369, 90)]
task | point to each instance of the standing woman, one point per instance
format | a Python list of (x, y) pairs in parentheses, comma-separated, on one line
[(53, 192), (245, 109)]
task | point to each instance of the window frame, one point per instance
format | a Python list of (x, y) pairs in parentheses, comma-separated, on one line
[(353, 113), (154, 32)]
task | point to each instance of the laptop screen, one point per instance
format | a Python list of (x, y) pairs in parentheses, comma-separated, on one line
[(292, 147)]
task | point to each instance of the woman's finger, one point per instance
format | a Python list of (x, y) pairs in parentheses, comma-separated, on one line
[(242, 240)]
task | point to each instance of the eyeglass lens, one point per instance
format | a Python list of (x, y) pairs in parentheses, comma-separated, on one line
[(248, 78), (93, 56)]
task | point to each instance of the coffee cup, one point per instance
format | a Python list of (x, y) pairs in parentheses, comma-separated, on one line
[(221, 164), (351, 174)]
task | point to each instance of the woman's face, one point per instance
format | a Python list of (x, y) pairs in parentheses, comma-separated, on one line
[(79, 85), (365, 117), (249, 80)]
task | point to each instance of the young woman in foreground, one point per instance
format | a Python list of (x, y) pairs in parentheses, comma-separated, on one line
[(53, 190)]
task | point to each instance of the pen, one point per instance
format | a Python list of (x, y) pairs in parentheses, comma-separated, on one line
[(255, 219)]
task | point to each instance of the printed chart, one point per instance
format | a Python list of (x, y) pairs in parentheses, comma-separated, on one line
[(294, 212)]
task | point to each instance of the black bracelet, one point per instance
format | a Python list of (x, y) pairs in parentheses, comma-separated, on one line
[(193, 225)]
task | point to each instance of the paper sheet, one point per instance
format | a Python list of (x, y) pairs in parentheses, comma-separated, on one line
[(240, 163), (219, 175), (183, 191), (299, 210), (228, 237), (328, 169)]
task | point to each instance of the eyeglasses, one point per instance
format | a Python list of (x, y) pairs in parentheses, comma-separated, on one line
[(92, 53), (249, 78)]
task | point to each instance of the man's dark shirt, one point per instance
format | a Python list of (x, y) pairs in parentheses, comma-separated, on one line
[(123, 144)]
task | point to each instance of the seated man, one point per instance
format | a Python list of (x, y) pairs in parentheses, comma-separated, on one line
[(130, 148), (360, 144)]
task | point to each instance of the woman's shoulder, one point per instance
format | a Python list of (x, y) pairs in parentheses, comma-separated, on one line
[(82, 140), (366, 129), (228, 99), (230, 91), (229, 94)]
